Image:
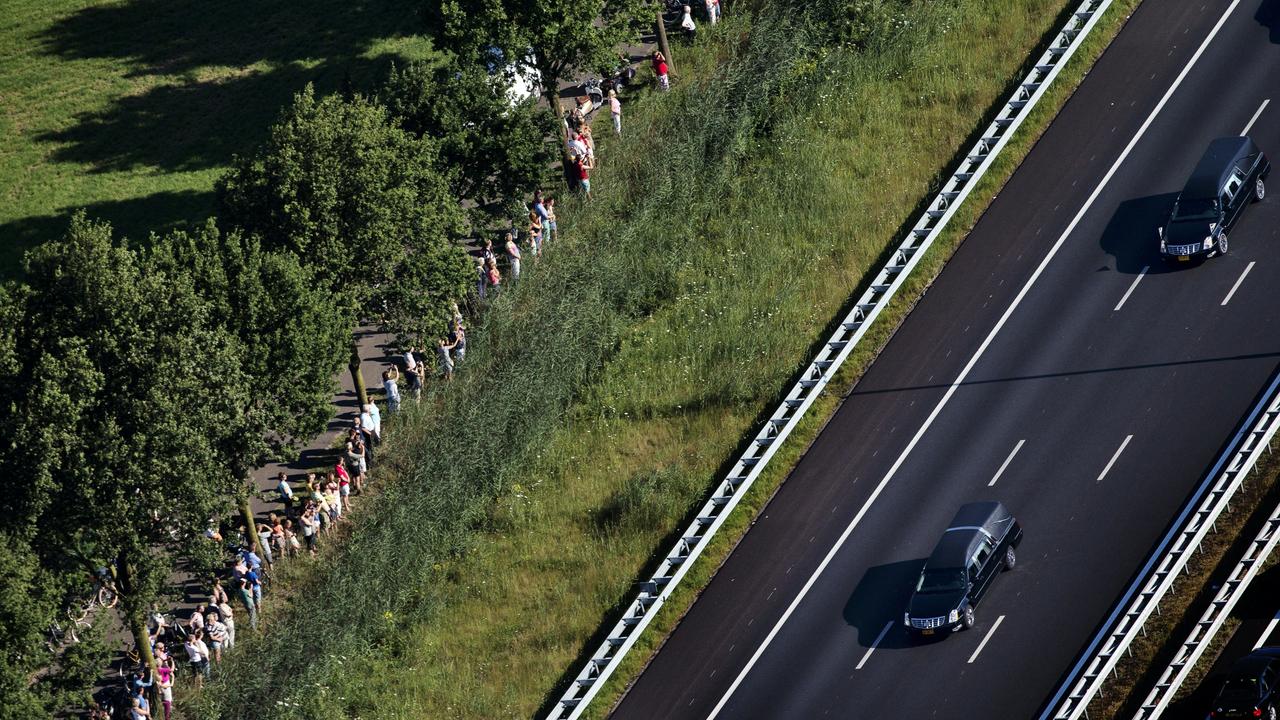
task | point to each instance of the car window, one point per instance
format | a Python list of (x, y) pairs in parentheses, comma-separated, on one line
[(984, 552), (1234, 184)]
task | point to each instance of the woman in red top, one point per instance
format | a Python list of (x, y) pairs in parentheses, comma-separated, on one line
[(584, 178), (660, 69)]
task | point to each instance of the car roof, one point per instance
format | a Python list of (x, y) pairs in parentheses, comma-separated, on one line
[(970, 525), (1211, 172)]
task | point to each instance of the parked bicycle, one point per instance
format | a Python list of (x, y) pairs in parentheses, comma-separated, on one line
[(104, 594)]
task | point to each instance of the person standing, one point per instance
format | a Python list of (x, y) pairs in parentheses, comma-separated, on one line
[(165, 672), (535, 233), (493, 277), (713, 11), (217, 636), (308, 521), (459, 341), (615, 111), (482, 280), (687, 24), (391, 389), (583, 168), (550, 228), (198, 656), (660, 70), (513, 257), (446, 362)]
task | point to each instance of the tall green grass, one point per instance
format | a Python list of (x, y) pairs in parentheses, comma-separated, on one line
[(602, 398)]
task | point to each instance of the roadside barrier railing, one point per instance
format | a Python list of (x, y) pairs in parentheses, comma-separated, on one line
[(653, 592), (1224, 601), (1169, 560)]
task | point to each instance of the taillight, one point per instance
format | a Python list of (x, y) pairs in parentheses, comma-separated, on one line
[(1257, 712)]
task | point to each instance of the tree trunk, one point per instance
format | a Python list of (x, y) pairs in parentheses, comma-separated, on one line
[(663, 46), (246, 513), (357, 378)]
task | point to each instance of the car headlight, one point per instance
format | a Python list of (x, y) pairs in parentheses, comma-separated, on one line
[(954, 616), (906, 619), (1208, 243)]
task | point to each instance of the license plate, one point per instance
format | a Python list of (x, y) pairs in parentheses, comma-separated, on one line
[(926, 632), (1183, 258)]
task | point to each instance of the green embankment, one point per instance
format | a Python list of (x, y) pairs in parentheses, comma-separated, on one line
[(602, 399), (132, 108)]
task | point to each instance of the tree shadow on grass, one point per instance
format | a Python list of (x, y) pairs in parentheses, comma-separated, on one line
[(223, 72), (135, 218)]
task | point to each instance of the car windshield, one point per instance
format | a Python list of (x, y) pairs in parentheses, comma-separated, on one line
[(1193, 209), (940, 581)]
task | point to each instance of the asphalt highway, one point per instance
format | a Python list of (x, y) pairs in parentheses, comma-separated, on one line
[(1104, 383)]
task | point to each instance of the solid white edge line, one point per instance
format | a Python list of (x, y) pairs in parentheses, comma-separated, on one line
[(1132, 287), (1262, 639), (983, 644), (1017, 300), (1239, 281), (1114, 458), (1254, 119), (874, 645), (1006, 462)]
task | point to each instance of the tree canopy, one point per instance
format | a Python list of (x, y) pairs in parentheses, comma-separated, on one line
[(124, 399), (493, 152), (347, 190), (553, 37)]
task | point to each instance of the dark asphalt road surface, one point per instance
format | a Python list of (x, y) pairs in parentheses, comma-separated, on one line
[(1167, 376)]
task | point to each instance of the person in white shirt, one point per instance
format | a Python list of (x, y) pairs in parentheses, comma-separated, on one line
[(198, 656), (217, 636), (690, 29)]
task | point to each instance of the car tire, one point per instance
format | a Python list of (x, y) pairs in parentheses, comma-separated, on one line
[(1222, 244), (1259, 190), (968, 618), (1010, 558)]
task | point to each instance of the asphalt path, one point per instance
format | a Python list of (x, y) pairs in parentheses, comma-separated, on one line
[(1117, 387)]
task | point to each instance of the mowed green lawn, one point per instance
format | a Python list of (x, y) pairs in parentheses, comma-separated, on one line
[(131, 109)]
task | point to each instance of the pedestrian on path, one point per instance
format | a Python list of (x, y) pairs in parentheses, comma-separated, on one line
[(615, 111)]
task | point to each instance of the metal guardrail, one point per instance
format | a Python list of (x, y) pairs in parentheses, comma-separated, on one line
[(1251, 561), (1169, 560), (652, 593)]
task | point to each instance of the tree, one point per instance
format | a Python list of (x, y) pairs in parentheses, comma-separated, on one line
[(292, 335), (493, 153), (292, 338), (122, 397), (352, 194), (555, 38)]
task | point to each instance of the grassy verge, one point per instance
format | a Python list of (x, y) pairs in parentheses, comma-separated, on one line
[(721, 244), (132, 108), (1192, 592)]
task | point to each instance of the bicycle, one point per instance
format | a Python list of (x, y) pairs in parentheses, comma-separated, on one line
[(58, 637), (103, 595)]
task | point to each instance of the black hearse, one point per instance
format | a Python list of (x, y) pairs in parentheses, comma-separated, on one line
[(1228, 176), (976, 546)]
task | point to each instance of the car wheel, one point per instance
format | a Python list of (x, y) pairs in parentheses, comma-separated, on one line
[(1222, 244), (1259, 190), (1010, 558), (968, 619)]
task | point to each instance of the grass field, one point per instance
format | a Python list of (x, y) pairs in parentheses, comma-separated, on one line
[(728, 266), (132, 108)]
